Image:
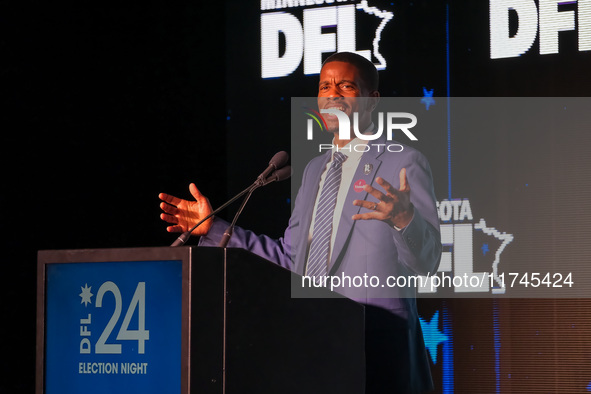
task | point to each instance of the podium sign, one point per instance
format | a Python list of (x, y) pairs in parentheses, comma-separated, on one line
[(189, 320), (112, 326)]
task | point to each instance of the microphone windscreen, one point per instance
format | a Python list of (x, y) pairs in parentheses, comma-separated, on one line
[(281, 174), (280, 159)]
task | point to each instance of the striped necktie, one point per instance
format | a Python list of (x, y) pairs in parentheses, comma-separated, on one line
[(318, 256)]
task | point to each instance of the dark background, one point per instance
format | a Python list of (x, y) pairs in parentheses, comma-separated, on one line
[(105, 106)]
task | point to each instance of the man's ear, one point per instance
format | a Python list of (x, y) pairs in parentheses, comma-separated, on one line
[(374, 99)]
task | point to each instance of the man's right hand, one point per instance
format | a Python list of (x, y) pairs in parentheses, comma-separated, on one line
[(184, 214)]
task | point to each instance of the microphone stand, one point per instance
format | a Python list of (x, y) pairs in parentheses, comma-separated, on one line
[(277, 175), (230, 230)]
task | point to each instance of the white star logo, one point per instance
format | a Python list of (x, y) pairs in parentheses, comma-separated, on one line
[(86, 295)]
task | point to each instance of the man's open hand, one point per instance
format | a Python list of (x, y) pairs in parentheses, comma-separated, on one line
[(393, 207), (184, 214)]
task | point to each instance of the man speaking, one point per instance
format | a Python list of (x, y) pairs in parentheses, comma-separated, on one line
[(358, 212)]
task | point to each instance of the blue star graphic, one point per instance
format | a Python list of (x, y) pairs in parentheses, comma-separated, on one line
[(433, 337), (484, 249), (428, 98)]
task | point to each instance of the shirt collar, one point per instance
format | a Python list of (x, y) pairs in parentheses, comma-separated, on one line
[(349, 150)]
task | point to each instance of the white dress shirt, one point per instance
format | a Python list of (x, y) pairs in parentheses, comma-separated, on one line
[(349, 167)]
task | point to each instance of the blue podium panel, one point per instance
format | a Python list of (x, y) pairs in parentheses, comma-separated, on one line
[(113, 327)]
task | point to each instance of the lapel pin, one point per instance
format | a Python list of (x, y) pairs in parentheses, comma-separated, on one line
[(367, 169), (358, 185)]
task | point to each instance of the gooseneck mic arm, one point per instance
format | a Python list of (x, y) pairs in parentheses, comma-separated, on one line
[(276, 176)]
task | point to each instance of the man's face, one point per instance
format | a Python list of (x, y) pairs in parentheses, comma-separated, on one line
[(339, 87)]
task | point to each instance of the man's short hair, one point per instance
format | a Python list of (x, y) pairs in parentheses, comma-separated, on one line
[(367, 71)]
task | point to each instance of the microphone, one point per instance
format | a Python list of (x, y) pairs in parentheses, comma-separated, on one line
[(277, 171), (276, 176), (279, 175), (278, 161)]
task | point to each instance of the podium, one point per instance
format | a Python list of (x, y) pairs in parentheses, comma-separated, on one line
[(189, 320)]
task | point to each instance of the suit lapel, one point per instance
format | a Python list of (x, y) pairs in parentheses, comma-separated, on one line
[(346, 223)]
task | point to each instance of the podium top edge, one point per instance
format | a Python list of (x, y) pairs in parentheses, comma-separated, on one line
[(129, 254), (115, 254)]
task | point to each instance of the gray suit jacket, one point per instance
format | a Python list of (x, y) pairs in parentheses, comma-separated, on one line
[(366, 247)]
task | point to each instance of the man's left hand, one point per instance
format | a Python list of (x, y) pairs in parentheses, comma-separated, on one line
[(393, 207)]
